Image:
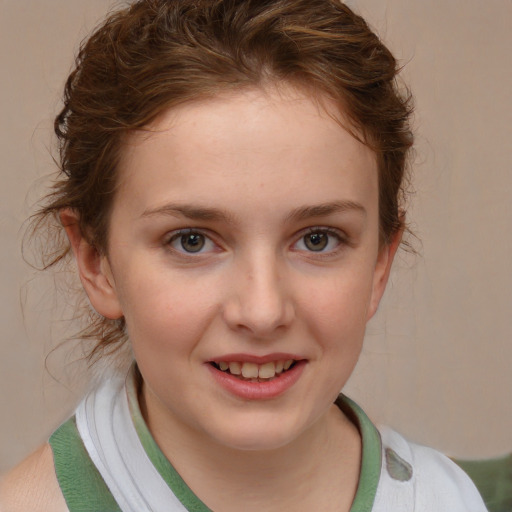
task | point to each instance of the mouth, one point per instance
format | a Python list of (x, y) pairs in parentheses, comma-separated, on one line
[(252, 372)]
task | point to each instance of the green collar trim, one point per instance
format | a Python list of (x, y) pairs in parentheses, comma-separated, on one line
[(370, 464), (371, 460), (81, 484), (178, 486)]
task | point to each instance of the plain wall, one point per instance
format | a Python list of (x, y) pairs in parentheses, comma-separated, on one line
[(437, 359)]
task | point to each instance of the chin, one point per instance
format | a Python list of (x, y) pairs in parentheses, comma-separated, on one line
[(261, 442), (257, 435)]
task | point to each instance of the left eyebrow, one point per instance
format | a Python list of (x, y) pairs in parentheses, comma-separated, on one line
[(326, 209)]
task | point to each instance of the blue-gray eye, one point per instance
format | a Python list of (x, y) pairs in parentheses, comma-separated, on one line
[(192, 242), (316, 241), (319, 240)]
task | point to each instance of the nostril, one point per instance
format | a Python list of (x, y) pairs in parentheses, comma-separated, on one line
[(259, 306), (261, 321)]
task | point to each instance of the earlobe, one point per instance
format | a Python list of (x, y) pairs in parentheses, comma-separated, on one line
[(93, 268), (382, 270)]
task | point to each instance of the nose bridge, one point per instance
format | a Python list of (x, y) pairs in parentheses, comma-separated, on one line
[(260, 302)]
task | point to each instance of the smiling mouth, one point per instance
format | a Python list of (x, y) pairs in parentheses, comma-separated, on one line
[(253, 372)]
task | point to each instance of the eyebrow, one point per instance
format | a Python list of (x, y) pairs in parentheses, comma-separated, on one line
[(190, 212), (326, 209), (217, 215)]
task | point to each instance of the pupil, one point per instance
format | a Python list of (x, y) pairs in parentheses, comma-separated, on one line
[(316, 241), (193, 242)]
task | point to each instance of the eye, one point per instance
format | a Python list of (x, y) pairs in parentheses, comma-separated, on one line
[(191, 242), (319, 240)]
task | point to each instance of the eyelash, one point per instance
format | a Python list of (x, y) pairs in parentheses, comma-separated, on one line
[(206, 240), (178, 236), (339, 236)]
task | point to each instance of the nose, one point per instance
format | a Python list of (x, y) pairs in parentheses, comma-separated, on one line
[(259, 302)]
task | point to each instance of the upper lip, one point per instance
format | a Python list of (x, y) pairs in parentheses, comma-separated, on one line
[(250, 358)]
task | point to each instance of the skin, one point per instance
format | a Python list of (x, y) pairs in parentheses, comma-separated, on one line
[(32, 485), (257, 175)]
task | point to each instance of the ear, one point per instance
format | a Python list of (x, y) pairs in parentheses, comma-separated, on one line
[(382, 270), (93, 268)]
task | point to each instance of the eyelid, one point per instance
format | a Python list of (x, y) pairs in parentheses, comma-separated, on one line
[(342, 237), (323, 229), (177, 233)]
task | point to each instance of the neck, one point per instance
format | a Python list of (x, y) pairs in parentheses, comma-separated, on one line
[(322, 463)]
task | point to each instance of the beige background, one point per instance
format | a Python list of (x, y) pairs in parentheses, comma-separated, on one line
[(437, 360)]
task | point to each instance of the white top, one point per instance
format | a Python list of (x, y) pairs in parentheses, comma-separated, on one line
[(396, 475), (436, 483)]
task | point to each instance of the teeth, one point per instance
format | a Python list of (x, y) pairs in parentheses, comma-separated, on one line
[(253, 372), (267, 371), (288, 363), (235, 368), (250, 370)]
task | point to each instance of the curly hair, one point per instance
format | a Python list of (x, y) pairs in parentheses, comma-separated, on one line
[(157, 54)]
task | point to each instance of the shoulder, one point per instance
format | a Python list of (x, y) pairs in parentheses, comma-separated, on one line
[(32, 485), (436, 482)]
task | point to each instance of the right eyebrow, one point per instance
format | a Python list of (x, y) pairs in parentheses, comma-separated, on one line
[(192, 212)]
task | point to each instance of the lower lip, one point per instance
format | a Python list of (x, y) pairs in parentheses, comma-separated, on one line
[(264, 390)]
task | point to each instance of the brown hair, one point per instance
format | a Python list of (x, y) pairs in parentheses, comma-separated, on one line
[(157, 54)]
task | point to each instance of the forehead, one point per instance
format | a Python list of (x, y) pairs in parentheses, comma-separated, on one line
[(262, 143)]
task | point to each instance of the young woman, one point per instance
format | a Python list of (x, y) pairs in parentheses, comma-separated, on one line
[(231, 190)]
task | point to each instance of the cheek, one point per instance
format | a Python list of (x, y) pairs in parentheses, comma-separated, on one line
[(166, 313), (338, 308)]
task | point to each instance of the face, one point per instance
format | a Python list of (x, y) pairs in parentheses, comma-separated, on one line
[(244, 255)]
